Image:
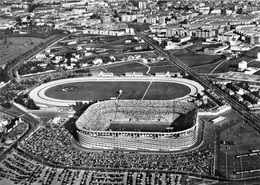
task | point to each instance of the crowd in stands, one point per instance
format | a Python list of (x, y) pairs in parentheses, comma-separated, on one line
[(138, 134), (137, 109), (135, 115), (52, 144)]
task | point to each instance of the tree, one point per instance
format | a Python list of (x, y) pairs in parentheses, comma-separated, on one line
[(3, 74), (19, 100), (184, 22), (31, 104), (18, 20), (199, 96), (80, 107), (32, 7), (6, 104), (78, 65), (68, 57), (105, 59)]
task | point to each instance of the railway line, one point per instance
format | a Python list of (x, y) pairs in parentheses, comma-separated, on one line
[(252, 119)]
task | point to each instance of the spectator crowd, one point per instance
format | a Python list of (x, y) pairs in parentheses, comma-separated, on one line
[(134, 109)]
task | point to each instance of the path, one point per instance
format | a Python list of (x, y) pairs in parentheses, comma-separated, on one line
[(147, 89), (149, 68), (219, 65)]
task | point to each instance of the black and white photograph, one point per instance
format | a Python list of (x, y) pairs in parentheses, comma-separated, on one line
[(129, 92)]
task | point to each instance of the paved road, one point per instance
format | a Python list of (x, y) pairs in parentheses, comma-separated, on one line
[(250, 118)]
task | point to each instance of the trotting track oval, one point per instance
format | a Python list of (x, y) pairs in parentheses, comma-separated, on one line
[(40, 96)]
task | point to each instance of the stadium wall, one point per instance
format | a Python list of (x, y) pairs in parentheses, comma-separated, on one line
[(95, 134)]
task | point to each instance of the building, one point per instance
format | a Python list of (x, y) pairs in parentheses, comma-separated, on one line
[(156, 125), (142, 5), (258, 56), (242, 65)]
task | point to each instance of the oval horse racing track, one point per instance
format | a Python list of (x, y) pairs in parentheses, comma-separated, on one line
[(67, 91)]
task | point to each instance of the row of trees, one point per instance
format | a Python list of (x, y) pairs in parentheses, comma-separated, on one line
[(24, 100), (34, 67)]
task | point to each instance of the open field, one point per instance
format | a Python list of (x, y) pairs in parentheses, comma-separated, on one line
[(106, 90), (126, 67), (232, 65), (101, 41), (193, 60), (252, 52), (205, 68), (200, 63), (165, 91), (151, 127), (162, 67), (147, 54), (16, 46)]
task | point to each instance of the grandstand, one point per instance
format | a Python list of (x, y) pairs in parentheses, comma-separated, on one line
[(139, 125)]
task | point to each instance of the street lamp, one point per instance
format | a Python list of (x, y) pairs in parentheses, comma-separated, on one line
[(120, 92)]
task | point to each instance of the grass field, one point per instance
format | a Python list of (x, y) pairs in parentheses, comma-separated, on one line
[(106, 90), (252, 52), (162, 67), (126, 67), (151, 127), (192, 60), (200, 63), (232, 65), (18, 45)]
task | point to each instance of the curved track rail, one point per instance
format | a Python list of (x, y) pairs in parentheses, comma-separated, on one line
[(38, 94)]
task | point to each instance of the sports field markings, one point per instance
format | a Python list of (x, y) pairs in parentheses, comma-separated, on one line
[(147, 89)]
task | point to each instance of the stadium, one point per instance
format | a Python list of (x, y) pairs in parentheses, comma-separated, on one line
[(154, 125), (152, 113)]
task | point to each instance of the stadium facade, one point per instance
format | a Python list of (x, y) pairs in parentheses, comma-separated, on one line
[(155, 125)]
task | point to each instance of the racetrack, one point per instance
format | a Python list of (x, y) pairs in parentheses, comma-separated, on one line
[(66, 92)]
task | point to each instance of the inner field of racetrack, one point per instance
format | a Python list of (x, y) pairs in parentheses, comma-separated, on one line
[(101, 90)]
